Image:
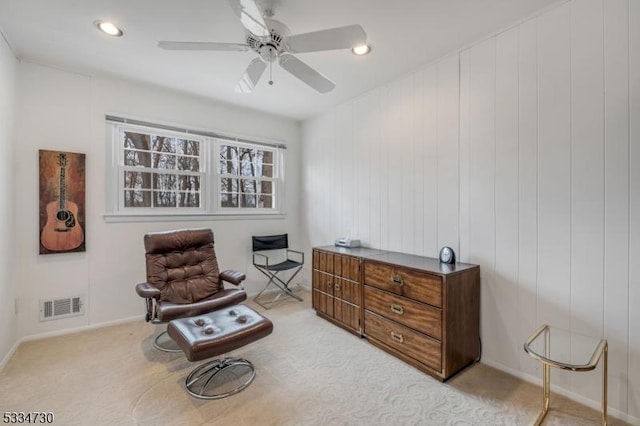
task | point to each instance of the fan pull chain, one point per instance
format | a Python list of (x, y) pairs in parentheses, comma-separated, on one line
[(270, 74)]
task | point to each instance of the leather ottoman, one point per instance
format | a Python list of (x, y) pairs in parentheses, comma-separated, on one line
[(217, 333)]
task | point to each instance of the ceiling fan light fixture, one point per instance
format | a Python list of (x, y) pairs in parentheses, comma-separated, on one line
[(109, 28), (361, 50), (272, 41)]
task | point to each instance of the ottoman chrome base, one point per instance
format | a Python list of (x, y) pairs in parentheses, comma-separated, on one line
[(163, 342), (220, 378)]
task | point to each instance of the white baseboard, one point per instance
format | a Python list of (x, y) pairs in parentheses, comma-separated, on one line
[(9, 354), (79, 329), (596, 405)]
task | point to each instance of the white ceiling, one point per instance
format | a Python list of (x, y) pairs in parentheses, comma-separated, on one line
[(404, 35)]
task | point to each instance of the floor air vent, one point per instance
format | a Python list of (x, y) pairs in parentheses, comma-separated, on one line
[(61, 308)]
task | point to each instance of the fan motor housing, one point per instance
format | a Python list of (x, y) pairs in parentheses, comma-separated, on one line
[(269, 47)]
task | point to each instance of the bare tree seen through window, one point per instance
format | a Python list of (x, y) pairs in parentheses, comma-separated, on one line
[(246, 177), (161, 171)]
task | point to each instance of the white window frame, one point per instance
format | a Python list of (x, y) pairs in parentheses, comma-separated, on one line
[(121, 129), (210, 207), (277, 178)]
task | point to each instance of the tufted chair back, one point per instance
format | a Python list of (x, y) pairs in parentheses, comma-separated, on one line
[(182, 265)]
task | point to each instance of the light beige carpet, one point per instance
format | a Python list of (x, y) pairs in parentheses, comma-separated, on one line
[(309, 372)]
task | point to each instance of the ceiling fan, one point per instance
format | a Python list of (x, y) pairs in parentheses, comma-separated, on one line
[(273, 41)]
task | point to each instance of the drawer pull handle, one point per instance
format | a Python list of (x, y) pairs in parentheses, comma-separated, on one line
[(397, 309), (337, 287), (397, 281), (397, 337)]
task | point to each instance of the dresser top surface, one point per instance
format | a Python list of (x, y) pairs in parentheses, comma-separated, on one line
[(429, 264), (352, 251)]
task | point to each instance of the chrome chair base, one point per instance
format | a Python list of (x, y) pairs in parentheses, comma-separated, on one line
[(220, 378), (282, 291), (164, 343), (282, 286)]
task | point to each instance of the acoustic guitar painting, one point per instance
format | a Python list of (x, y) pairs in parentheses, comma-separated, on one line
[(61, 182)]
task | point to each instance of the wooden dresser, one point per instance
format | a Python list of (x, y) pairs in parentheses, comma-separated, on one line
[(337, 285), (416, 308)]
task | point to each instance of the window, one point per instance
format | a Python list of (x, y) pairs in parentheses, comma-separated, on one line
[(246, 177), (161, 170)]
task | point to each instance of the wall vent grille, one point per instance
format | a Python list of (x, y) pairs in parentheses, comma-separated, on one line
[(61, 308)]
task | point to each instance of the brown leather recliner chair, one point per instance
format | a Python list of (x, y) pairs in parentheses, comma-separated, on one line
[(183, 279)]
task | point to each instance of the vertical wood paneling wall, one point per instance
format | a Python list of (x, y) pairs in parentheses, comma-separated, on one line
[(616, 180), (522, 153)]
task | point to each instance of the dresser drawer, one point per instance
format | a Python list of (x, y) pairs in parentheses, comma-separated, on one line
[(405, 282), (416, 345), (424, 318)]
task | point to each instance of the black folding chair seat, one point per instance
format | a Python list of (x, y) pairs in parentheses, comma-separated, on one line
[(284, 266), (281, 243)]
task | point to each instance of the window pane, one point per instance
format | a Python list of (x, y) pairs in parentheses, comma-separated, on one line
[(164, 161), (267, 171), (189, 199), (267, 157), (228, 185), (137, 180), (189, 147), (228, 167), (137, 198), (164, 182), (137, 141), (189, 163), (189, 183), (228, 159), (266, 187), (229, 200), (137, 158), (164, 199), (247, 165), (247, 200), (249, 186), (163, 144), (247, 169), (265, 201)]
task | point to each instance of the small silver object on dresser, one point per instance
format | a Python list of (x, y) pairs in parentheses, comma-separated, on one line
[(347, 242)]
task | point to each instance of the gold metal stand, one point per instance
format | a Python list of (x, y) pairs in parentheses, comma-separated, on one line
[(539, 347)]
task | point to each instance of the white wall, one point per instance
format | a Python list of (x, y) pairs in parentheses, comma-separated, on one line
[(8, 65), (60, 110), (522, 153)]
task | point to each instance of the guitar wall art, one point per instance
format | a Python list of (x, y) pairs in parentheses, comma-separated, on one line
[(62, 202)]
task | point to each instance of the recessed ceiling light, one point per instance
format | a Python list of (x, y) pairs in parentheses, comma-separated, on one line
[(361, 50), (109, 28)]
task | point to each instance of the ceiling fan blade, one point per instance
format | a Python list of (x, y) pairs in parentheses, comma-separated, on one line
[(251, 76), (189, 45), (333, 38), (250, 16), (306, 74)]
